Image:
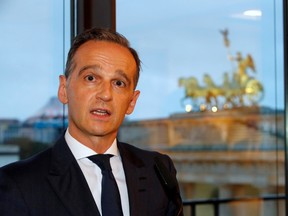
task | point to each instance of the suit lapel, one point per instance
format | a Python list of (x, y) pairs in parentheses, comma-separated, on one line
[(136, 180), (69, 183)]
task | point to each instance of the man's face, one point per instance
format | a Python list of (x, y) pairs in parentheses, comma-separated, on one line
[(100, 90)]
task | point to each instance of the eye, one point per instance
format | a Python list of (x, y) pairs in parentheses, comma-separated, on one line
[(119, 83), (90, 78)]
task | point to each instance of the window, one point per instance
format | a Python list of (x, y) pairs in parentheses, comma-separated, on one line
[(212, 96), (34, 41)]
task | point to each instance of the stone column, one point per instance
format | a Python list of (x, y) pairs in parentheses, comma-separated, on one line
[(241, 208)]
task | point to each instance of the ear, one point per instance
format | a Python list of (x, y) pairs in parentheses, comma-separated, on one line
[(132, 103), (62, 93)]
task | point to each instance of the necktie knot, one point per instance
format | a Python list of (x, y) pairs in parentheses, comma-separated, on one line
[(102, 160)]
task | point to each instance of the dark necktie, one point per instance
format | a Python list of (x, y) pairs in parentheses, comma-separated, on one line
[(110, 196)]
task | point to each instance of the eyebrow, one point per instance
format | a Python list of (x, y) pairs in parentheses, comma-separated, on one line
[(98, 68), (94, 67)]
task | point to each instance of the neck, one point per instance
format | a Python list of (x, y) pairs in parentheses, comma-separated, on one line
[(99, 144)]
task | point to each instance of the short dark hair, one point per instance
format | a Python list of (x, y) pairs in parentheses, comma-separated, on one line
[(100, 34)]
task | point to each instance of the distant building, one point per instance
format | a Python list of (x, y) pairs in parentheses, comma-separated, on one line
[(9, 128), (45, 126), (232, 153)]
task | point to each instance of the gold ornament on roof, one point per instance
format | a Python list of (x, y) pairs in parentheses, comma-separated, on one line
[(238, 89)]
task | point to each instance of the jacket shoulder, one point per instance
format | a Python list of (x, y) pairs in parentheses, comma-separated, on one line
[(34, 165), (140, 152), (144, 156)]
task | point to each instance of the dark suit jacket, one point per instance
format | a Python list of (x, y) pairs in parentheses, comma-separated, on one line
[(52, 183)]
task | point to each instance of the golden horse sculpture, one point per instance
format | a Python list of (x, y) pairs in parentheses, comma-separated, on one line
[(240, 90), (194, 91)]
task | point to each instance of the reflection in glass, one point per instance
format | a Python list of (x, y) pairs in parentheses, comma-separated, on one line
[(34, 40), (228, 144)]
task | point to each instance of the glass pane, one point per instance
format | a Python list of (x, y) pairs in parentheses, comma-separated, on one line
[(33, 45), (212, 97)]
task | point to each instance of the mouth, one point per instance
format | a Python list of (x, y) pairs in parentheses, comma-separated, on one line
[(100, 112)]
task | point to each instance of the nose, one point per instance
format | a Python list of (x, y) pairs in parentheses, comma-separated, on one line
[(105, 92)]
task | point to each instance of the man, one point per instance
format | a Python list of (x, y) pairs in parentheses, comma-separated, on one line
[(101, 75)]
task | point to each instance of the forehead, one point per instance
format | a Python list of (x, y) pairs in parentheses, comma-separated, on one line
[(104, 54), (104, 49)]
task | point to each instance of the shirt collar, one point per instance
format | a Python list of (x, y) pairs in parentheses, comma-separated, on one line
[(80, 151)]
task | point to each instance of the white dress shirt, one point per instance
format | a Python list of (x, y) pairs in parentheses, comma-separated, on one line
[(93, 174)]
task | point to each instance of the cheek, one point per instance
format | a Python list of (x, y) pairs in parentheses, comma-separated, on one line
[(76, 93), (77, 99)]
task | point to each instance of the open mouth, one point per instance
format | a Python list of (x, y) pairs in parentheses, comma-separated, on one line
[(101, 112)]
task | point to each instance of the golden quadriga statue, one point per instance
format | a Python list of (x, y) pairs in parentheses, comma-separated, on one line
[(239, 90)]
